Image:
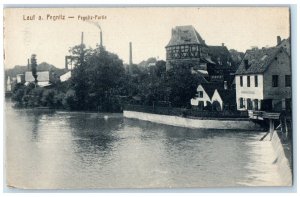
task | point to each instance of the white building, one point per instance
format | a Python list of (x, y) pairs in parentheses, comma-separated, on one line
[(204, 95), (43, 78), (20, 78), (263, 80), (65, 76), (8, 84)]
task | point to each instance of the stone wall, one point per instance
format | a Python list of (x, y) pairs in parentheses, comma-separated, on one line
[(282, 162), (229, 123)]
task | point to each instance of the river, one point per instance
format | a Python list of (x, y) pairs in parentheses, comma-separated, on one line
[(56, 149)]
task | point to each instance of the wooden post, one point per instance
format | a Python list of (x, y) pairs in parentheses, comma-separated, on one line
[(271, 128), (286, 127), (281, 125)]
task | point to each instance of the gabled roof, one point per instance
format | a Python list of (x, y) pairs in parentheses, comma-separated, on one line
[(210, 88), (185, 35), (258, 60), (60, 72), (220, 52), (228, 96)]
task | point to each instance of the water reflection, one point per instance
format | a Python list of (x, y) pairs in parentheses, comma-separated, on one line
[(94, 131), (88, 150), (35, 118)]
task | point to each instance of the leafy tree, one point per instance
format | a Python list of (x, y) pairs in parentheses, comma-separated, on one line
[(182, 84), (97, 79)]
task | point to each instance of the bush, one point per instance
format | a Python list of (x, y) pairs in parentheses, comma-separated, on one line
[(18, 93), (34, 97), (58, 99), (70, 100), (48, 98)]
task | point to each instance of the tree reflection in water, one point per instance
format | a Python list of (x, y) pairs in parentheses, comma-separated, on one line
[(93, 133)]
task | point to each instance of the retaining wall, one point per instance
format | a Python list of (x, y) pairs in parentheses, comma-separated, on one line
[(232, 123), (281, 160)]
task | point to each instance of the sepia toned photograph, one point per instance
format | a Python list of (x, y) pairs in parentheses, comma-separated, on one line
[(148, 97)]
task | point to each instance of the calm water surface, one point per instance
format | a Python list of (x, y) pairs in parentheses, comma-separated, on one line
[(87, 150)]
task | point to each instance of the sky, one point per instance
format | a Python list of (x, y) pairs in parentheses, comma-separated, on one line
[(149, 30)]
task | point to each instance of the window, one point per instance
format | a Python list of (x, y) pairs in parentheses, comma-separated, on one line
[(241, 81), (256, 81), (200, 94), (248, 81), (241, 103), (287, 80), (274, 80)]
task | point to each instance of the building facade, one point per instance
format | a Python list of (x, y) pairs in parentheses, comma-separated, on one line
[(263, 80), (205, 92), (186, 48)]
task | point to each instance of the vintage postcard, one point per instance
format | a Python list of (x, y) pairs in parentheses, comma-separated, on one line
[(148, 97)]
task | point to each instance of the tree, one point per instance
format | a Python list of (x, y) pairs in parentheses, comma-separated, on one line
[(34, 68), (79, 79), (97, 81), (182, 84)]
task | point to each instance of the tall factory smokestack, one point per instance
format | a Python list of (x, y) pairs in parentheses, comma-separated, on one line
[(66, 63), (130, 53), (82, 38), (101, 44), (28, 64), (81, 50)]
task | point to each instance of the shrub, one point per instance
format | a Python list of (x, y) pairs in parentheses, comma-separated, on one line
[(70, 100)]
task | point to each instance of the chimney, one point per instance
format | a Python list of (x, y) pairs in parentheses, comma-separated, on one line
[(81, 37), (225, 85), (278, 40), (223, 44), (101, 39), (130, 53), (28, 64)]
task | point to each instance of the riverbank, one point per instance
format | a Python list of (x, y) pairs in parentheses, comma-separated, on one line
[(283, 157), (192, 122)]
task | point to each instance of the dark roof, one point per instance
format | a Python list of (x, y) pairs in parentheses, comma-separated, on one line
[(210, 88), (258, 60), (185, 35), (201, 78), (228, 96), (220, 52), (60, 72), (286, 40), (286, 44)]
